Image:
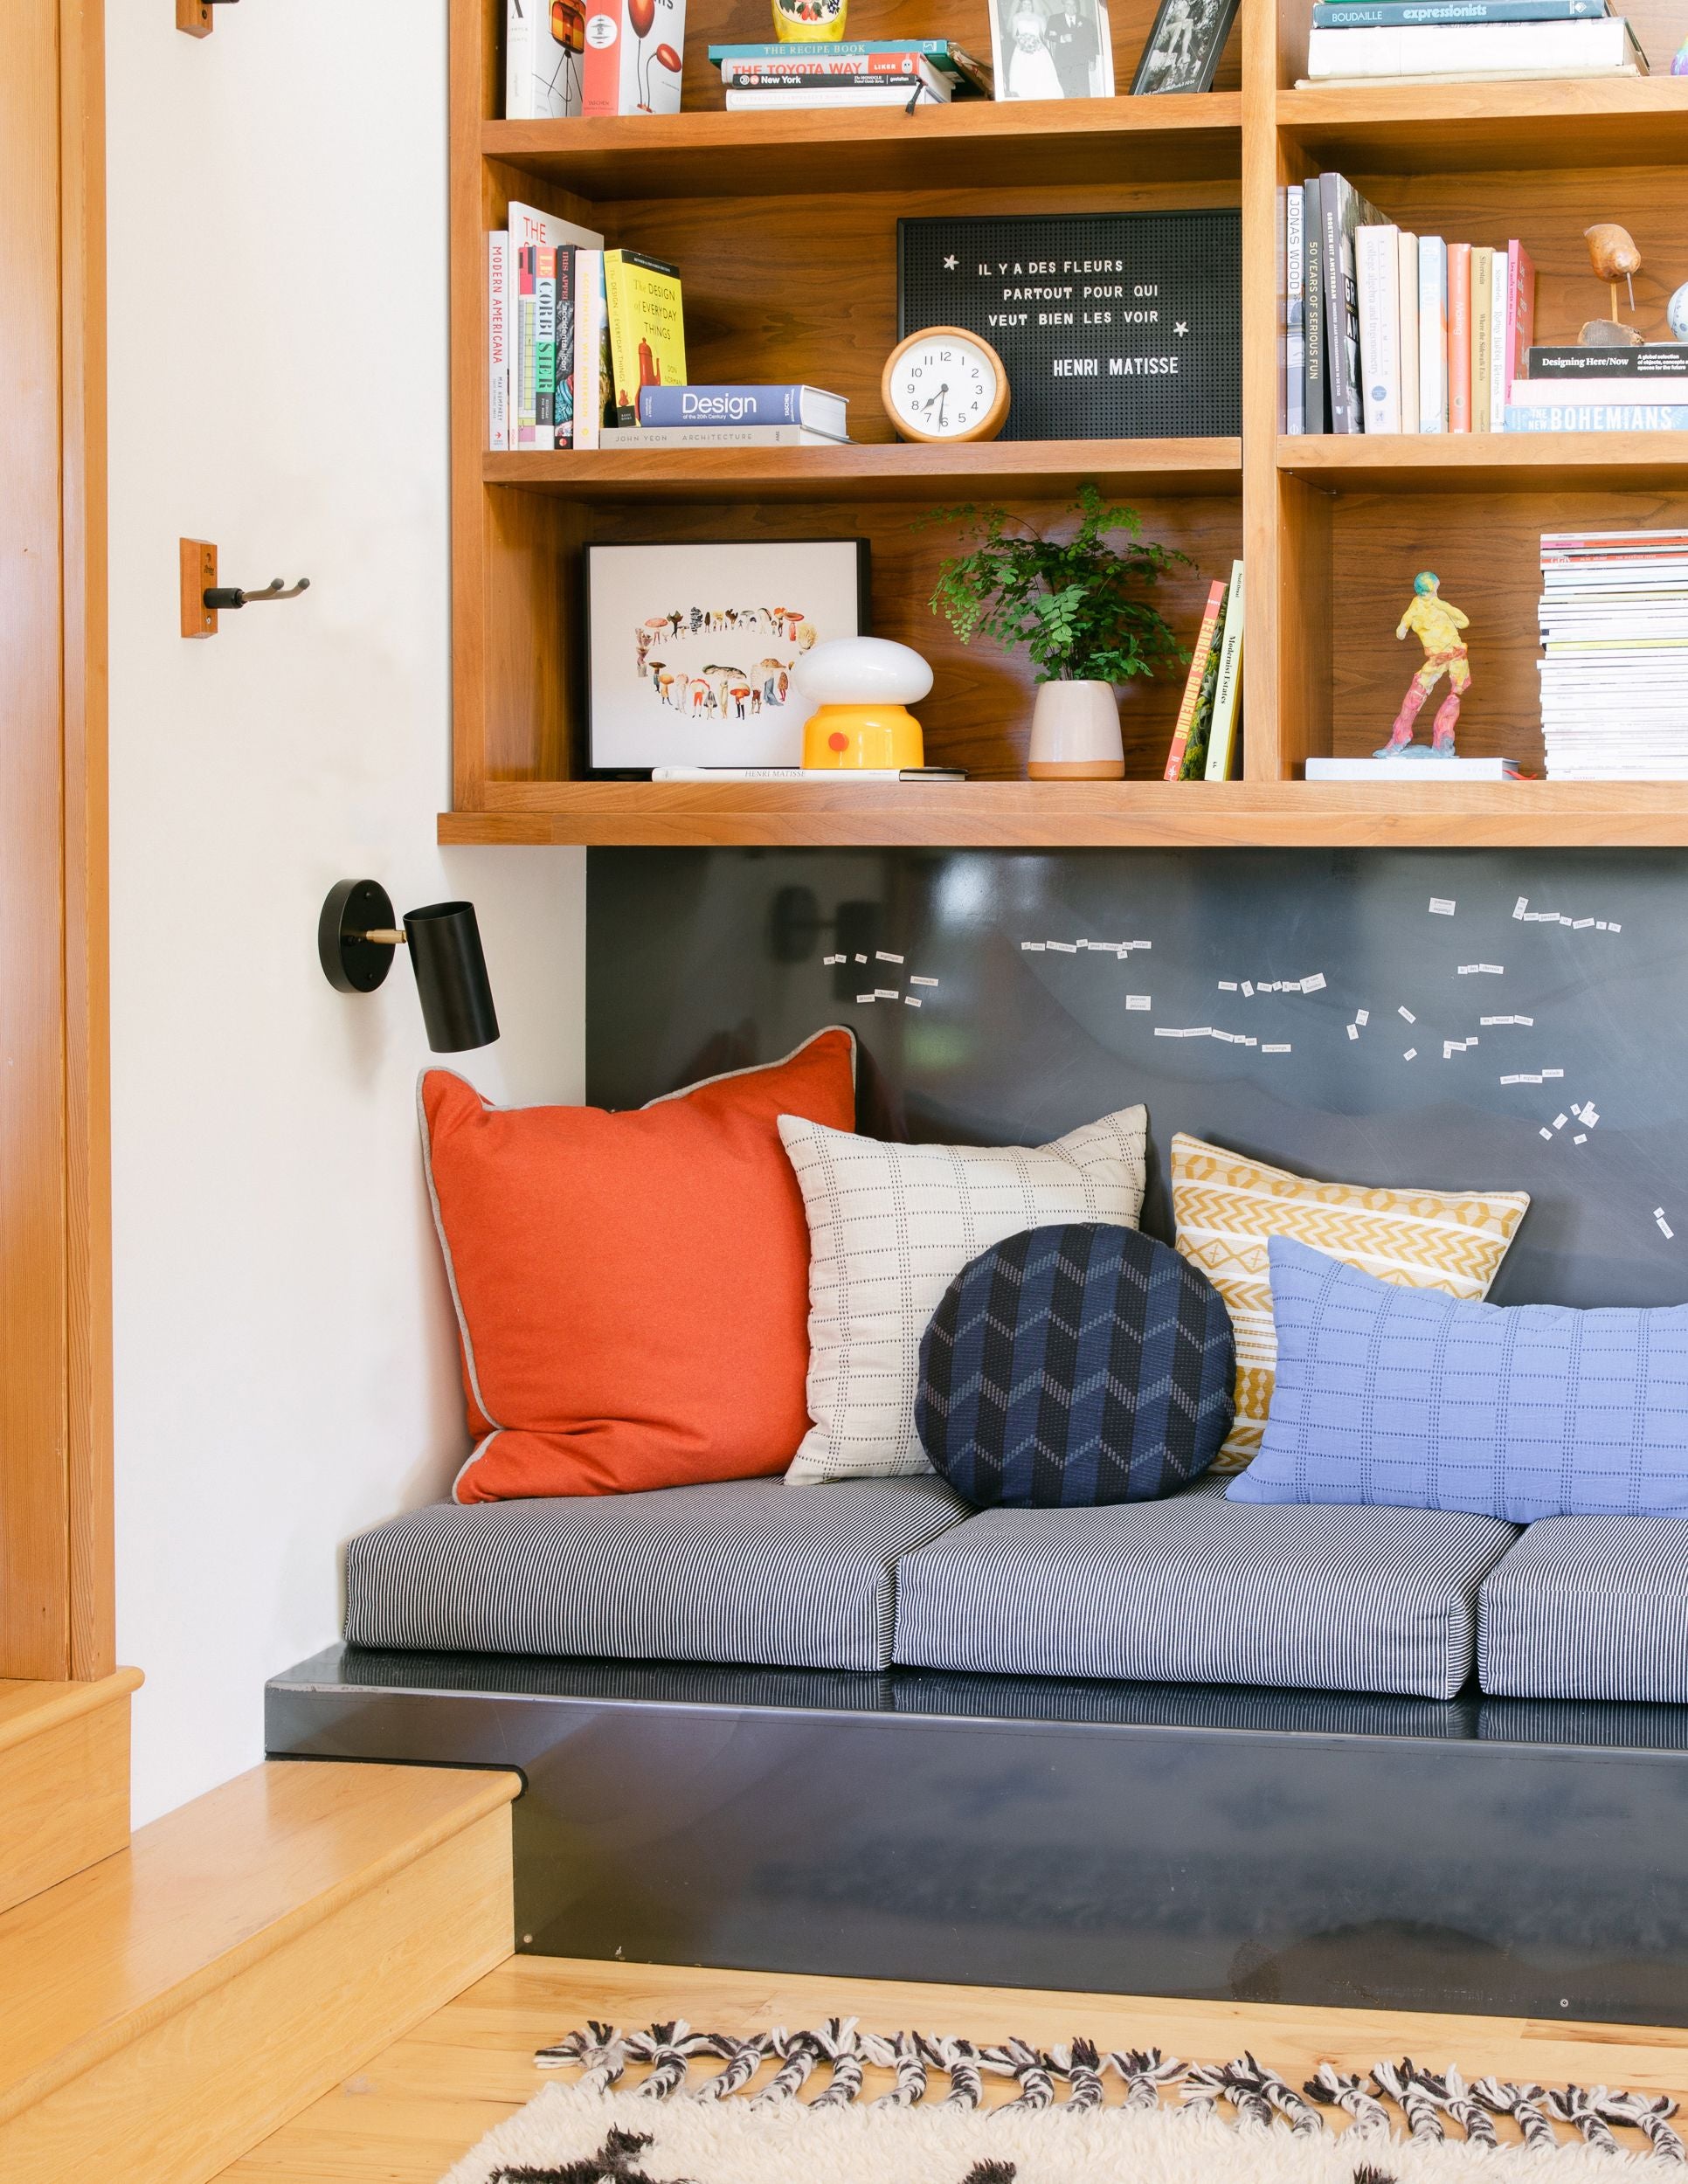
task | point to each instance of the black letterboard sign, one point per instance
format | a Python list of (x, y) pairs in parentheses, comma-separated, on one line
[(1112, 325)]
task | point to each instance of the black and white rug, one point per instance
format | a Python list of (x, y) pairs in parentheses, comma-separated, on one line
[(671, 2107)]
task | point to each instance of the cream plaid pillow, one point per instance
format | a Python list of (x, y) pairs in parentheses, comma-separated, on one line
[(890, 1226), (1226, 1206)]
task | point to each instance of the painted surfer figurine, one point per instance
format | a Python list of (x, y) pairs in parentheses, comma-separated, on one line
[(1437, 626)]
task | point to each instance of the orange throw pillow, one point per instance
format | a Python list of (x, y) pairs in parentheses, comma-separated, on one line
[(632, 1290)]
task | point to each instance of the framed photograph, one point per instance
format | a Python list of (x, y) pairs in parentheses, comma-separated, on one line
[(1052, 49), (1185, 45), (690, 648)]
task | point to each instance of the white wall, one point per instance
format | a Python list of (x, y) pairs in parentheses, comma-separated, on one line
[(285, 1371)]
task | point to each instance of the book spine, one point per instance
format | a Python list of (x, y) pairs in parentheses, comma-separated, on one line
[(1500, 375), (1221, 741), (1281, 234), (1378, 276), (1542, 394), (1459, 337), (1407, 329), (1520, 310), (1339, 378), (601, 329), (1438, 49), (1317, 418), (1483, 337), (588, 387), (526, 332), (563, 408), (1186, 711), (518, 59), (601, 65), (1656, 358), (859, 71), (1354, 15), (545, 349), (1295, 255), (498, 350), (1432, 334), (725, 405), (1611, 417)]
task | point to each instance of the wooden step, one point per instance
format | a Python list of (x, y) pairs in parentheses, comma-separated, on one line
[(64, 1780), (164, 2009)]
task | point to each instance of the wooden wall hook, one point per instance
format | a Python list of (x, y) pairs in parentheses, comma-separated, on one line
[(195, 16)]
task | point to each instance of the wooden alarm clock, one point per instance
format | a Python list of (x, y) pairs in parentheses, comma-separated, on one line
[(945, 384)]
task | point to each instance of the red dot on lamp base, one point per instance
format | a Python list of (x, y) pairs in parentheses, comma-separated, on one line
[(835, 742)]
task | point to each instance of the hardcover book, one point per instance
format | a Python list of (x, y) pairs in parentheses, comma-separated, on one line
[(1295, 257), (1432, 334), (938, 52), (1351, 15), (1342, 209), (1483, 337), (1377, 275), (1111, 325), (797, 404), (634, 55), (498, 352), (1459, 337), (1406, 348), (1318, 406), (542, 61), (1228, 689), (1612, 417), (1651, 359), (544, 338), (1443, 49), (647, 333)]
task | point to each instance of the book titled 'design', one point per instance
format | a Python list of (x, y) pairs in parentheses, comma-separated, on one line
[(813, 408)]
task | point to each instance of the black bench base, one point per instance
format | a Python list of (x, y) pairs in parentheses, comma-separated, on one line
[(1496, 1856)]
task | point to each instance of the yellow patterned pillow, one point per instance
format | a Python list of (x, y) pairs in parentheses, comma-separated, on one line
[(1226, 1206)]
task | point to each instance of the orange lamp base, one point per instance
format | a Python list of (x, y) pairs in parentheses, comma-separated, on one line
[(852, 738)]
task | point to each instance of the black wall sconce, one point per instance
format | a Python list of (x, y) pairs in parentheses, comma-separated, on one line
[(357, 940)]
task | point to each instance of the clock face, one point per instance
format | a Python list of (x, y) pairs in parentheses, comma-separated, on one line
[(943, 385)]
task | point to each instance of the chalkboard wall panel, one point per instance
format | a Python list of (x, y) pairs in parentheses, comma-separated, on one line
[(980, 713), (709, 959)]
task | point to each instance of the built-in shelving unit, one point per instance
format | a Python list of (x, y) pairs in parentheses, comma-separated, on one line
[(784, 227)]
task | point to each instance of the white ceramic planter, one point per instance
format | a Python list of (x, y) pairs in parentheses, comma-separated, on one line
[(1075, 734)]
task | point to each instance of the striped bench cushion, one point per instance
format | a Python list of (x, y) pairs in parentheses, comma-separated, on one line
[(1200, 1590), (1588, 1608), (745, 1571)]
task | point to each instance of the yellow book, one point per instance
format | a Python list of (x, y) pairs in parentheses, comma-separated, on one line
[(647, 333), (1483, 338)]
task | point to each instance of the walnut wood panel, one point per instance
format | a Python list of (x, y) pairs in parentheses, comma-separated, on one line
[(880, 470), (1020, 814), (1487, 551), (764, 304), (980, 713), (1463, 128), (806, 153)]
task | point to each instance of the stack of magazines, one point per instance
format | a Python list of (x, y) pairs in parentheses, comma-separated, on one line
[(1614, 681), (886, 72)]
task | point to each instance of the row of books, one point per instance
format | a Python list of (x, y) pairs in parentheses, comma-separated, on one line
[(1383, 331), (1207, 744), (1467, 41), (1615, 670), (575, 333), (907, 72)]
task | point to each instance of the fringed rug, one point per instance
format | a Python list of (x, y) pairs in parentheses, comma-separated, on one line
[(672, 2106)]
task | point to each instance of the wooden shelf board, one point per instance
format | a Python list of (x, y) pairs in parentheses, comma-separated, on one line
[(972, 143), (874, 470), (1510, 462), (1452, 128), (1011, 814)]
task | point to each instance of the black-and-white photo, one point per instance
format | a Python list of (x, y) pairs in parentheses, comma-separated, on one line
[(1185, 45), (1052, 49)]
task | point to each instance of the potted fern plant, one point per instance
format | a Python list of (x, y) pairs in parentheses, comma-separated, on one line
[(1078, 605)]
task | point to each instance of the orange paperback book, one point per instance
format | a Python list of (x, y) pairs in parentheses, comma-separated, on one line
[(1459, 337), (1186, 711)]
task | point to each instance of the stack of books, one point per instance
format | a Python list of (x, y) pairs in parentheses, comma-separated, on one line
[(1467, 41), (1615, 630), (900, 72), (576, 333), (1643, 388), (736, 417), (1383, 331)]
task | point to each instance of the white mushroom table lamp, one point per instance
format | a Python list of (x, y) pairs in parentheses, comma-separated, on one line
[(861, 688)]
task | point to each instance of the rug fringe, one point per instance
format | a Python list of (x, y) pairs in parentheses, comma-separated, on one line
[(1426, 2101)]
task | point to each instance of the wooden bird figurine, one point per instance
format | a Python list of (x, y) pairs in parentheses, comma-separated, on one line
[(1613, 255)]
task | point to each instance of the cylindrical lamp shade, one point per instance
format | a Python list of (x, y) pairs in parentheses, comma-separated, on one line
[(451, 977)]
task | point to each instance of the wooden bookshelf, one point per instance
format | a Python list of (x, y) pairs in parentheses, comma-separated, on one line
[(784, 227)]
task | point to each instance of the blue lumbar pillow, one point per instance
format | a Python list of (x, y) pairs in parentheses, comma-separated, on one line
[(1407, 1397), (1076, 1364)]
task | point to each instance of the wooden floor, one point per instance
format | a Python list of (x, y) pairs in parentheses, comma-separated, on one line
[(421, 2104)]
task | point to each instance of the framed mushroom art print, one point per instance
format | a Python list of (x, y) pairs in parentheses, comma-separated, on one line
[(690, 647)]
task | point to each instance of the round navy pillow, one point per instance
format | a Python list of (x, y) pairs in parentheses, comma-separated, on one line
[(1072, 1366)]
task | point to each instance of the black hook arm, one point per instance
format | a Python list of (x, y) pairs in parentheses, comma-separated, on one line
[(222, 597)]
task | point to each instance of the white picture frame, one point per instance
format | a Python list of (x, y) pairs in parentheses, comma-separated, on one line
[(1052, 49), (690, 648)]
